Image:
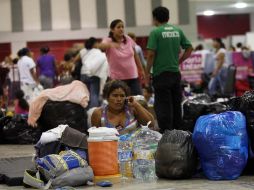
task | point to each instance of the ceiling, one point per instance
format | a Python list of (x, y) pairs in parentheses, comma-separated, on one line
[(223, 6)]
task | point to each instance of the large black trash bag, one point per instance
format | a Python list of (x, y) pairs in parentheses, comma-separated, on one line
[(234, 104), (245, 104), (56, 113), (3, 121), (176, 157), (247, 100), (17, 131), (196, 107), (192, 109)]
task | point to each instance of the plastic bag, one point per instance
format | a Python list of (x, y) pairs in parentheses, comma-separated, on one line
[(176, 157), (145, 144), (36, 92), (56, 113), (197, 106), (222, 144), (245, 104), (17, 131)]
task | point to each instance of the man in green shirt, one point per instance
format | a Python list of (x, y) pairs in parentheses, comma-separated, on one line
[(164, 47)]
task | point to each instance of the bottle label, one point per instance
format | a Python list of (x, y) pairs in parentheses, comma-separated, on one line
[(125, 155), (144, 154)]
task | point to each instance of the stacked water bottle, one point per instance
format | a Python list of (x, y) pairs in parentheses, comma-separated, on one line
[(136, 154), (125, 155)]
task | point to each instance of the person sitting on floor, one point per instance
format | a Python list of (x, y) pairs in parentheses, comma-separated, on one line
[(123, 112)]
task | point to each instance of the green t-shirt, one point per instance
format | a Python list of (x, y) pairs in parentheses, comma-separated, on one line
[(167, 40)]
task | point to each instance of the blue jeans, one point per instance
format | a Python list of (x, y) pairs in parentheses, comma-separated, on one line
[(93, 85), (46, 82), (216, 84)]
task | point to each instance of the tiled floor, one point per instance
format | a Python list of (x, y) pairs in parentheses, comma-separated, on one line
[(243, 183)]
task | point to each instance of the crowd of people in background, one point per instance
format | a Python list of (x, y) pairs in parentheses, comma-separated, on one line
[(116, 57)]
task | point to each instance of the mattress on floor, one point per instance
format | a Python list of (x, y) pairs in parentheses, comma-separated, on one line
[(12, 170)]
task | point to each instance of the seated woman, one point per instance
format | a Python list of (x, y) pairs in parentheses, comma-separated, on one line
[(122, 112)]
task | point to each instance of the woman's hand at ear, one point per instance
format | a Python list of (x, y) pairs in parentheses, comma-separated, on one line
[(142, 115), (132, 102)]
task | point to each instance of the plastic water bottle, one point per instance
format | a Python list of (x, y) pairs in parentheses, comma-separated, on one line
[(144, 163), (144, 147), (125, 158)]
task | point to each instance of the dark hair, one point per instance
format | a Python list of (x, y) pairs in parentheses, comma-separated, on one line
[(112, 26), (15, 60), (149, 89), (239, 45), (113, 85), (90, 43), (44, 49), (199, 47), (161, 14), (22, 102), (222, 45), (67, 57), (23, 52)]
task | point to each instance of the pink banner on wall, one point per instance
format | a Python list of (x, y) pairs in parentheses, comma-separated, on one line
[(191, 68)]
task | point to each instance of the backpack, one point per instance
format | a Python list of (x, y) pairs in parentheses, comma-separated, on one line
[(58, 170)]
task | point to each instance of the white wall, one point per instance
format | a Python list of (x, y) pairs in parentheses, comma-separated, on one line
[(252, 22), (238, 38), (250, 40), (143, 17), (60, 14), (5, 15), (31, 15), (61, 21), (88, 16)]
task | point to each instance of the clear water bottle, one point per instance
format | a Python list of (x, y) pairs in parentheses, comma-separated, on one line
[(125, 158), (144, 147)]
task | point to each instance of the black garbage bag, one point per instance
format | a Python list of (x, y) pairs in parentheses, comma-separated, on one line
[(3, 121), (247, 101), (176, 157), (56, 113), (196, 107), (250, 126), (192, 109), (234, 104), (245, 104), (17, 131)]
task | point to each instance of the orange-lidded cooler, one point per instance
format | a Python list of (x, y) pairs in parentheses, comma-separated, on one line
[(103, 157), (102, 151)]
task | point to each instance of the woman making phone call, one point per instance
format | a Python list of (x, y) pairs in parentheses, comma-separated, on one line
[(123, 112)]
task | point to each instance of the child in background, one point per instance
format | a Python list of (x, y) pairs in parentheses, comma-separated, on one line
[(21, 105), (149, 97), (148, 94)]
